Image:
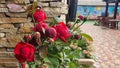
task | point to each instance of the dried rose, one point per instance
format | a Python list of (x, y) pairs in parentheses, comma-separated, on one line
[(50, 32)]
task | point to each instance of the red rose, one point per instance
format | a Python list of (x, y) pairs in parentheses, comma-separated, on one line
[(62, 31), (50, 32), (24, 52), (39, 16)]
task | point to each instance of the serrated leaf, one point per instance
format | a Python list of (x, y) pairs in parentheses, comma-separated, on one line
[(73, 64), (54, 62)]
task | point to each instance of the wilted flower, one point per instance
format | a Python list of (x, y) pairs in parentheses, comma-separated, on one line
[(50, 32)]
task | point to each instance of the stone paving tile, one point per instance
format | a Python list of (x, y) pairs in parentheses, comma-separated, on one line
[(107, 45)]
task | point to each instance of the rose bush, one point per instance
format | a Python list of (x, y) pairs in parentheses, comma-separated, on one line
[(56, 45)]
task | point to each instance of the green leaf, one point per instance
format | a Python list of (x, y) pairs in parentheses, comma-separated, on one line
[(54, 62), (88, 37), (74, 55), (73, 64)]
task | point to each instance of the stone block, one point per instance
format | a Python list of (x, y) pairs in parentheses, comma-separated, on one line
[(26, 28), (5, 54), (21, 1), (3, 42), (12, 30), (86, 61), (6, 26), (9, 64), (57, 4), (48, 0), (2, 5), (13, 20), (2, 1), (2, 49), (17, 15), (43, 4), (2, 35), (3, 9), (52, 12), (15, 8), (2, 15), (64, 10), (13, 39)]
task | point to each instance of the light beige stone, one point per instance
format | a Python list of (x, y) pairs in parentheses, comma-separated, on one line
[(26, 28), (43, 4), (64, 10), (2, 5), (13, 39), (13, 30), (3, 9), (13, 20), (86, 61), (2, 35), (2, 15), (9, 64), (52, 12), (48, 0), (8, 26), (2, 1), (57, 4), (17, 15), (22, 1), (3, 42)]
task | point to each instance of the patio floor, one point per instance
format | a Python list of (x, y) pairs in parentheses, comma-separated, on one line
[(107, 45)]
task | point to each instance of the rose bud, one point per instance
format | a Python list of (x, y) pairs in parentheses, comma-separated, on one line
[(50, 32), (77, 36)]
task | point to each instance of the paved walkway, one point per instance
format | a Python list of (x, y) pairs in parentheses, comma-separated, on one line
[(107, 45)]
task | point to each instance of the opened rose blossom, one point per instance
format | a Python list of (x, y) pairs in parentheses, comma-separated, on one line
[(24, 52), (39, 15), (62, 31)]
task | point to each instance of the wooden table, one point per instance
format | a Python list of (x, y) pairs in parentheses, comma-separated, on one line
[(114, 23)]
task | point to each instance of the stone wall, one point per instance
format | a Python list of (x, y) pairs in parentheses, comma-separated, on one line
[(15, 24)]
